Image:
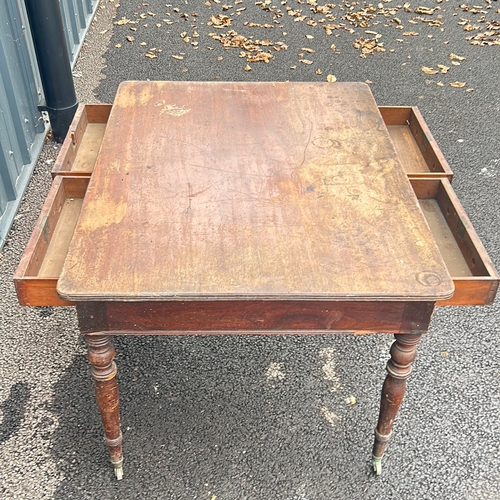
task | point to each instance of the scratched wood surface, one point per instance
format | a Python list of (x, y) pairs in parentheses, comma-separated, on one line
[(250, 190)]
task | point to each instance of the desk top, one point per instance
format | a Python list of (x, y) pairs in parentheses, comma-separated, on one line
[(220, 190)]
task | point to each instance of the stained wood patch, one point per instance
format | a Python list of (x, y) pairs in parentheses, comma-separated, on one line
[(250, 190)]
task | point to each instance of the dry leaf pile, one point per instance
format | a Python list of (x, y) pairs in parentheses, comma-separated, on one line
[(260, 40)]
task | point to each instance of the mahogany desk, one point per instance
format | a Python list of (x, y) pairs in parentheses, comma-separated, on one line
[(250, 208)]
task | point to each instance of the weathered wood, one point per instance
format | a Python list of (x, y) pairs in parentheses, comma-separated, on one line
[(418, 152), (40, 266), (79, 150), (255, 317), (92, 317), (101, 354), (399, 367), (475, 277), (274, 194), (254, 208)]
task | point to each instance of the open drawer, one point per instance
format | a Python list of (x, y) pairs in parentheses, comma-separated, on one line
[(476, 280), (79, 151), (417, 150), (41, 264)]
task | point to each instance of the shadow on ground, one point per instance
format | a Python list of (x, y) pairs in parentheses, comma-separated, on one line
[(227, 416), (13, 409)]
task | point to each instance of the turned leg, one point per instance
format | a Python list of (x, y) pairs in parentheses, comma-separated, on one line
[(403, 352), (101, 354)]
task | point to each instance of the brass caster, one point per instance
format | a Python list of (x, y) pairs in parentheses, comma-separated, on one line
[(119, 470), (377, 465)]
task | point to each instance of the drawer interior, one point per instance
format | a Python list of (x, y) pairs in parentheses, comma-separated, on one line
[(41, 264), (82, 144), (57, 249), (417, 150), (468, 263), (446, 242)]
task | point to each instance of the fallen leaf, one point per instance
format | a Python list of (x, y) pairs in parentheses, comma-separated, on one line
[(319, 72), (470, 90), (429, 71), (332, 46), (351, 400), (424, 10), (454, 57), (458, 84), (410, 33), (151, 56), (179, 58), (309, 37), (305, 61), (444, 69), (368, 82), (248, 68), (368, 46), (440, 84), (123, 21), (130, 38), (118, 45), (331, 78), (220, 21)]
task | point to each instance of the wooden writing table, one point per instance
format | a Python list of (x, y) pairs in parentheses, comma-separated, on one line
[(250, 208)]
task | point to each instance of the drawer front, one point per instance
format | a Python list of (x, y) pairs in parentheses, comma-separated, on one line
[(41, 264), (476, 279), (81, 146), (417, 150)]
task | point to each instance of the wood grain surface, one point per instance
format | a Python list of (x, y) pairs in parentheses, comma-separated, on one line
[(220, 190), (255, 317)]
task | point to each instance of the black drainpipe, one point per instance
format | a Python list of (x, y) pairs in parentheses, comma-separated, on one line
[(54, 64)]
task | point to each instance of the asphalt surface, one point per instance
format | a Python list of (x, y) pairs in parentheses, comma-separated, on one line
[(270, 418)]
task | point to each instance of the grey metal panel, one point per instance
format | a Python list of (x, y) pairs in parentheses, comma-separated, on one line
[(22, 128), (77, 15)]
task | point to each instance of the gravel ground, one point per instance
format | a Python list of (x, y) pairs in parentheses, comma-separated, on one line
[(269, 418)]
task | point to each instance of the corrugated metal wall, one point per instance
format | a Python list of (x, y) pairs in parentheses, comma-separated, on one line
[(77, 15), (22, 129)]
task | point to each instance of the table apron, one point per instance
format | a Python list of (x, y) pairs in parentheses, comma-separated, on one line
[(253, 317)]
